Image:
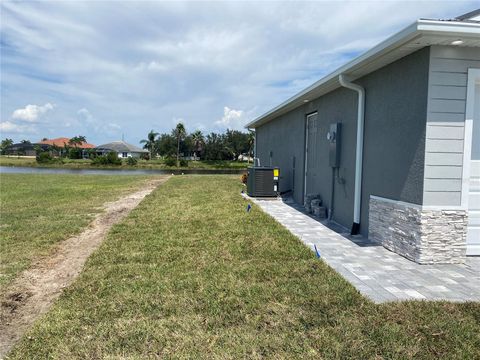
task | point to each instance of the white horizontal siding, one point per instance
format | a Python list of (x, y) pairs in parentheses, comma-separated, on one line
[(450, 185), (442, 198), (452, 65), (444, 172), (443, 159), (444, 146), (445, 123), (446, 132), (458, 118), (447, 105), (448, 92), (448, 79)]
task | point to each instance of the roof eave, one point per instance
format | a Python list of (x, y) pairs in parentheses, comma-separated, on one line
[(418, 28)]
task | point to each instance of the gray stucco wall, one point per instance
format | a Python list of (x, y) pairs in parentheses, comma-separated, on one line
[(337, 106), (284, 137), (395, 121), (446, 123)]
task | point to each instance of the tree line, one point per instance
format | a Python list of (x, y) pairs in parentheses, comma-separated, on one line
[(177, 145), (213, 146)]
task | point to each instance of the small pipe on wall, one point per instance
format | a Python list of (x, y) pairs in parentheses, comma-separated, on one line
[(345, 82)]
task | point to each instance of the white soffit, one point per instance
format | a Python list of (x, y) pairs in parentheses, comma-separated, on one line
[(415, 37)]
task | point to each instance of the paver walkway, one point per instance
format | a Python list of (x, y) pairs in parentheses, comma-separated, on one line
[(375, 271)]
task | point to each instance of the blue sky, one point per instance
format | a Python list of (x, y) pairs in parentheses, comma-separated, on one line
[(107, 68)]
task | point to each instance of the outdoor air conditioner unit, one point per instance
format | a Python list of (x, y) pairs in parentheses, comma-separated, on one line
[(263, 181)]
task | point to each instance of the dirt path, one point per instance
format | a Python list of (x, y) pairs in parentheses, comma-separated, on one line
[(34, 291)]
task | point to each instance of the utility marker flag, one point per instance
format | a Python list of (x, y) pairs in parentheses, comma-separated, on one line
[(316, 251), (249, 207)]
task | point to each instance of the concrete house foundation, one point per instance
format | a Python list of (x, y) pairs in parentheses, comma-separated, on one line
[(391, 141)]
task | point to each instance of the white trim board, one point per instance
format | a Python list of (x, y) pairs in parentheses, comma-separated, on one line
[(473, 79)]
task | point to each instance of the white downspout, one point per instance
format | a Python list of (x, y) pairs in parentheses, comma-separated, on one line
[(345, 82)]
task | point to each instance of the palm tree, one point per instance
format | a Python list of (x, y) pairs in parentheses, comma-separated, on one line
[(150, 142), (179, 132), (77, 140), (198, 141)]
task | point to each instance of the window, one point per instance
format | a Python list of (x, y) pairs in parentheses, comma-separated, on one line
[(124, 154)]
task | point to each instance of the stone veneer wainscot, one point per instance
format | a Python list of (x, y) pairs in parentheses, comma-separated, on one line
[(423, 235)]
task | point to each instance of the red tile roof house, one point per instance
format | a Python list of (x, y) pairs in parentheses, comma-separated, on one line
[(62, 142)]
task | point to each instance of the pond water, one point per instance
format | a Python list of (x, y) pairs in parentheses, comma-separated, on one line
[(45, 170)]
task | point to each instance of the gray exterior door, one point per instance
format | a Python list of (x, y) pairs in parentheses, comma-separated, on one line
[(473, 234), (311, 153)]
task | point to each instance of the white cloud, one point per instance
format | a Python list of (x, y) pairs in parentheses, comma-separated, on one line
[(113, 126), (12, 128), (25, 120), (85, 115), (154, 61), (176, 121), (95, 127), (151, 66), (31, 113), (232, 119)]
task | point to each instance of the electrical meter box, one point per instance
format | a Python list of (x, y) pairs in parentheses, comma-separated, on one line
[(334, 138)]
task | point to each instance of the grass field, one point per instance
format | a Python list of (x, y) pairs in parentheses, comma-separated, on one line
[(38, 211), (191, 274), (142, 164)]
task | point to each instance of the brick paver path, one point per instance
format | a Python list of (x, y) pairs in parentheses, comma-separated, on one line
[(375, 271)]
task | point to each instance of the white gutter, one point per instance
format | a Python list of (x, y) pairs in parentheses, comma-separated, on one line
[(345, 82)]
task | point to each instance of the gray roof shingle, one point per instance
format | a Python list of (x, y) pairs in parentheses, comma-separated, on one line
[(121, 146)]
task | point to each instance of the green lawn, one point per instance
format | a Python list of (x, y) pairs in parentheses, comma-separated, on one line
[(38, 211), (190, 274), (142, 164)]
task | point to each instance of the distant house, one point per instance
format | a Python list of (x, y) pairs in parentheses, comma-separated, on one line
[(123, 149), (22, 149), (62, 141)]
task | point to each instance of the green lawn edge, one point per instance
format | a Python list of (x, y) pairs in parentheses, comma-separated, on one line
[(141, 164), (191, 274), (39, 210)]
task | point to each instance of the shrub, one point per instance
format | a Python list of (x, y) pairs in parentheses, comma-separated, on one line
[(43, 157), (183, 162), (91, 153), (110, 159), (99, 160), (244, 178), (131, 161), (74, 153), (170, 161)]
